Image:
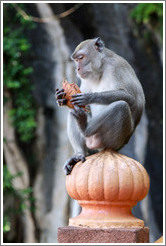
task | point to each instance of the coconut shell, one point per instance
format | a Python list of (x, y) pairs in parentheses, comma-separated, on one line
[(70, 89)]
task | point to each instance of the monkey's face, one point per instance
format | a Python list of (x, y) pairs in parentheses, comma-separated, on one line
[(83, 65), (87, 58)]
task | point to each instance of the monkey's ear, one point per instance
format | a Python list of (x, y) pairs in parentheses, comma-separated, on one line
[(99, 44)]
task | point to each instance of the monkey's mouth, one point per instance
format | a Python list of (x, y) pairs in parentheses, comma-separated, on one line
[(83, 74)]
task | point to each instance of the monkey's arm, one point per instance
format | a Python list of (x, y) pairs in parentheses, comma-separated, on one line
[(105, 97)]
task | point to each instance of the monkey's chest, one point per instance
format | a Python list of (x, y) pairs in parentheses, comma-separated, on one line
[(96, 109)]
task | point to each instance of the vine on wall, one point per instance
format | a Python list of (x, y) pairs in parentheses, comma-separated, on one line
[(149, 13), (16, 74), (16, 48)]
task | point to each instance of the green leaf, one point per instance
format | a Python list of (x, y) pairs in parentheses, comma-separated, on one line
[(27, 71), (13, 84), (23, 206), (27, 191), (6, 224), (149, 13), (16, 49)]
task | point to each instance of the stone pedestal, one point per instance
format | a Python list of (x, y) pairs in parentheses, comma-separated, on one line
[(71, 234), (107, 185)]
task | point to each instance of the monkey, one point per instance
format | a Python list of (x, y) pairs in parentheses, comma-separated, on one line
[(114, 94)]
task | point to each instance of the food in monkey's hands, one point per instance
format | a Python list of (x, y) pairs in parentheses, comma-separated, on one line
[(69, 90)]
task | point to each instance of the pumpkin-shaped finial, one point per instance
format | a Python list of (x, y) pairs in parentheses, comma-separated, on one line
[(107, 185)]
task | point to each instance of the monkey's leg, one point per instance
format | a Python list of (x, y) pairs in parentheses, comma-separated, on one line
[(112, 127), (78, 143)]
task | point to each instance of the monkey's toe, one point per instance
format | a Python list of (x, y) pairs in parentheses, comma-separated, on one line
[(72, 161), (68, 169)]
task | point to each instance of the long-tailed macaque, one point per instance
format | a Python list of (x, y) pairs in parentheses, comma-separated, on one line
[(114, 94)]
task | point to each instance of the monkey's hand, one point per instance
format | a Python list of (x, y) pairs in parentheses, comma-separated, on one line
[(59, 94), (81, 117), (81, 99), (72, 161)]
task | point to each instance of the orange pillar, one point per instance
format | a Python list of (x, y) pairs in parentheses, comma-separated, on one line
[(107, 185)]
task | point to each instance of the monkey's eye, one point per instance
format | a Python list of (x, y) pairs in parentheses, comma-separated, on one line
[(80, 57)]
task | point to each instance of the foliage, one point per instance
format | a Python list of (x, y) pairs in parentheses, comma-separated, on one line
[(16, 74), (22, 195), (151, 13), (16, 50)]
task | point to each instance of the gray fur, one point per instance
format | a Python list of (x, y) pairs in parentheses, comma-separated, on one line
[(111, 88)]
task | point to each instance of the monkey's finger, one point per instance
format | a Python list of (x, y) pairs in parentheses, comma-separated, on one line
[(79, 157), (78, 111), (81, 99), (71, 162), (83, 159), (67, 169), (75, 99), (62, 102), (59, 91), (60, 95), (77, 95), (69, 165), (75, 111), (74, 114), (78, 103)]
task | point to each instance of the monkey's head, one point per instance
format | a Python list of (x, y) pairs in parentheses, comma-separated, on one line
[(88, 57)]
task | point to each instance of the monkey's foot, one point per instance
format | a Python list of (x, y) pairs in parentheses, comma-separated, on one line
[(72, 161)]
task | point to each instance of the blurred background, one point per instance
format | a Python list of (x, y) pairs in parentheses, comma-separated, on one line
[(38, 39)]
